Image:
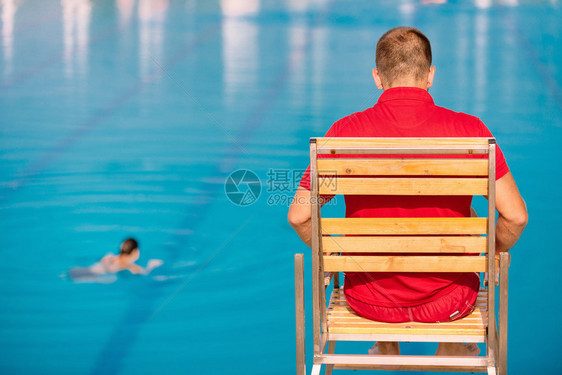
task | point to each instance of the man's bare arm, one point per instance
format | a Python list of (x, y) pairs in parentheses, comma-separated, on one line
[(512, 211), (511, 207), (135, 269), (299, 215), (152, 264)]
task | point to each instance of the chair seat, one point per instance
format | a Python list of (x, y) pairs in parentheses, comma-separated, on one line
[(343, 321)]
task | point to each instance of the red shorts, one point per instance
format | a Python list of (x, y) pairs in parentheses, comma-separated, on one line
[(452, 306)]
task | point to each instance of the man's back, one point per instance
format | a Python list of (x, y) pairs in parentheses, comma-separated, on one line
[(407, 112)]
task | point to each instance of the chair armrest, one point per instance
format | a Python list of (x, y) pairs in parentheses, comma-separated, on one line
[(504, 256), (504, 263)]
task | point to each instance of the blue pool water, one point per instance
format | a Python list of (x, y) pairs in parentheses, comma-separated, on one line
[(125, 118)]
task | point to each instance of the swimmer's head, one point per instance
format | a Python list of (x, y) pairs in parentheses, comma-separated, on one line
[(129, 246), (403, 58)]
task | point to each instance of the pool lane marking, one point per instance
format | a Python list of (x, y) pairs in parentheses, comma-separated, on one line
[(124, 336), (546, 74), (203, 109), (201, 267), (20, 28), (75, 135), (53, 59)]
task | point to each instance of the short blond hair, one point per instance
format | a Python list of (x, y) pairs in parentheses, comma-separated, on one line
[(403, 52)]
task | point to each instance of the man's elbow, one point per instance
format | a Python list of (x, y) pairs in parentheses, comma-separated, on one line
[(296, 220), (519, 219), (523, 216), (522, 219)]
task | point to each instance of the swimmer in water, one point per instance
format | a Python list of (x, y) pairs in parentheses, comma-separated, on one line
[(126, 259), (111, 263)]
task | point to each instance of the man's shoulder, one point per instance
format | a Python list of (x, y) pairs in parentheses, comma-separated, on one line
[(458, 116), (348, 125), (368, 113), (460, 123), (357, 116)]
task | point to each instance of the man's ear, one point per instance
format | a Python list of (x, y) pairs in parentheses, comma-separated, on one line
[(377, 78), (430, 76)]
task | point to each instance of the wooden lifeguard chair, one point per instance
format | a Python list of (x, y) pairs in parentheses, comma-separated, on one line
[(402, 166)]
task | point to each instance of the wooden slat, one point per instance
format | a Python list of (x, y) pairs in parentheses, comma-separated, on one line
[(425, 244), (410, 146), (343, 314), (476, 322), (349, 326), (477, 369), (405, 263), (402, 167), (473, 331), (481, 306), (401, 360), (339, 300), (353, 321), (343, 320), (482, 294), (405, 338), (404, 142), (428, 150), (342, 325), (339, 303), (476, 329), (337, 310), (411, 226), (403, 186), (327, 142)]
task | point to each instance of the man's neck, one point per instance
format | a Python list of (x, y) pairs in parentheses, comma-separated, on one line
[(407, 84)]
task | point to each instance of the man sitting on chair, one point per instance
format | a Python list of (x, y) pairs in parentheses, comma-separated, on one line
[(405, 109)]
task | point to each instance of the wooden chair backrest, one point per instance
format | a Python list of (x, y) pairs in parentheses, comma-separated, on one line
[(408, 174), (402, 166)]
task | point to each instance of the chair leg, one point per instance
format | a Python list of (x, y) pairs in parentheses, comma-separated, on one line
[(491, 370), (316, 370), (331, 350), (502, 342), (299, 312)]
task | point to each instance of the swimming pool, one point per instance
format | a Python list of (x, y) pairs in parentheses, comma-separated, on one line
[(125, 118)]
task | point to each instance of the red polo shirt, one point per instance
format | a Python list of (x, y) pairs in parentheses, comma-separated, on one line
[(406, 112)]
